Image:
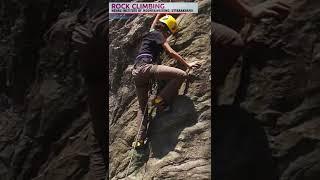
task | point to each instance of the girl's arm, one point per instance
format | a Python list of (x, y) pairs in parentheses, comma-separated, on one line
[(155, 21), (172, 53)]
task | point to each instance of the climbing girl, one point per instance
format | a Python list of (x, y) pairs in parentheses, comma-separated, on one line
[(147, 66)]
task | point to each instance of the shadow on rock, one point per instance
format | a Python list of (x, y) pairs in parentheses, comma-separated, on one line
[(241, 148), (167, 126)]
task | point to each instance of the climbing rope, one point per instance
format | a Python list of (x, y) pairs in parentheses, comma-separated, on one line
[(136, 138)]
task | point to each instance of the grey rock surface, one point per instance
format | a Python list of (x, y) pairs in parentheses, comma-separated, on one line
[(281, 86)]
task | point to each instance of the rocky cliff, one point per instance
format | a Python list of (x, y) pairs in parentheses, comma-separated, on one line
[(44, 118), (180, 139), (44, 122)]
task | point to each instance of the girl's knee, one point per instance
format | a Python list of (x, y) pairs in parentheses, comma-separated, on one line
[(183, 75), (237, 44)]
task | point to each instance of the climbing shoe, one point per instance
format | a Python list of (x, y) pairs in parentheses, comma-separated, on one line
[(161, 104), (157, 101), (163, 108), (138, 144)]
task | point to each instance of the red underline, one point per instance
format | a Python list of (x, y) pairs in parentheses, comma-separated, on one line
[(153, 13)]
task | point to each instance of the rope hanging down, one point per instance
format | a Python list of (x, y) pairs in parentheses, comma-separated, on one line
[(136, 138)]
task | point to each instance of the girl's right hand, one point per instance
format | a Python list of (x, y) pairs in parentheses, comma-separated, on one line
[(194, 65)]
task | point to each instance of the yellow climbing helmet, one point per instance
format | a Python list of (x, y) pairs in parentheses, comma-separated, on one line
[(170, 22)]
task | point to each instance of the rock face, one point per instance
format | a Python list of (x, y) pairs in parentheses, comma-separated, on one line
[(180, 139), (280, 85)]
